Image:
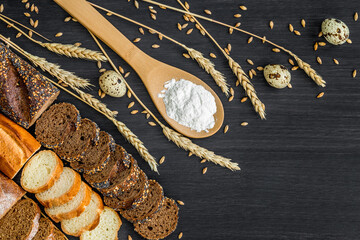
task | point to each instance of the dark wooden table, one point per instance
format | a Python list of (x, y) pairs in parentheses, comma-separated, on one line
[(300, 168)]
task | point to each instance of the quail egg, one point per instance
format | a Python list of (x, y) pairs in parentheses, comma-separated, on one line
[(277, 75), (335, 31), (112, 84)]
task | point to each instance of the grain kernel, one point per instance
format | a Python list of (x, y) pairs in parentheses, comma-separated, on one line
[(129, 237), (67, 19), (320, 95), (152, 124), (162, 159), (129, 94), (316, 46), (336, 61), (356, 16), (237, 15), (354, 73), (349, 41), (136, 40), (190, 154), (320, 34), (141, 30), (294, 68), (322, 44), (318, 59), (291, 61), (244, 99), (260, 68), (289, 85), (271, 24), (237, 24), (189, 31), (59, 34), (180, 235), (303, 23), (208, 12), (243, 8), (250, 39), (291, 28), (231, 98), (155, 46), (250, 61), (276, 50), (204, 170), (226, 129), (131, 104), (297, 32), (180, 202), (244, 124), (212, 55), (203, 161), (126, 74)]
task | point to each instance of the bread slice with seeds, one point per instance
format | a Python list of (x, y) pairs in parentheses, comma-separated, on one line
[(63, 190), (95, 158), (78, 141), (86, 221), (73, 208), (56, 123), (162, 224), (41, 171), (108, 227), (148, 207)]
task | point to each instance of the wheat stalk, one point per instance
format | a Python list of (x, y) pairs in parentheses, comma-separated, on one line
[(172, 135), (201, 152), (71, 50), (305, 66), (137, 143), (248, 87), (237, 70), (205, 63), (209, 67), (68, 50), (56, 71)]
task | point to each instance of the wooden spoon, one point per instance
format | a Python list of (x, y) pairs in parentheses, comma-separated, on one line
[(152, 72)]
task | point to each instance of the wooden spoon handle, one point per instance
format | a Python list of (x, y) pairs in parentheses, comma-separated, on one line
[(91, 19)]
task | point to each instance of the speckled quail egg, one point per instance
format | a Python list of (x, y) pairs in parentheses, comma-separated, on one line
[(277, 75), (335, 31), (112, 84)]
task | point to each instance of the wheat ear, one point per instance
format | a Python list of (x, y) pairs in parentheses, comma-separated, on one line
[(205, 63), (248, 87), (68, 50), (172, 135), (305, 66), (209, 67), (201, 152)]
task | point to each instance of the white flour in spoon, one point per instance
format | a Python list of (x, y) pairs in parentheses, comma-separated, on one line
[(189, 104)]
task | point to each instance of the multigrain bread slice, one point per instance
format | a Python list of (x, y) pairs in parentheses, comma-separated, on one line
[(21, 222), (63, 190), (131, 198), (107, 229), (41, 171), (46, 230), (95, 158), (162, 224), (125, 177), (73, 208), (56, 123), (86, 221), (101, 179), (78, 141), (58, 235), (148, 207)]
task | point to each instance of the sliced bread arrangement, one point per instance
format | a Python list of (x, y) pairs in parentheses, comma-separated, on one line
[(112, 171), (67, 199)]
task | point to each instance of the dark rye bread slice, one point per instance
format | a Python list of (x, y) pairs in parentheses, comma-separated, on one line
[(58, 235), (46, 230), (101, 179), (56, 123), (131, 198), (124, 178), (162, 224), (95, 158), (148, 207), (21, 221), (78, 140)]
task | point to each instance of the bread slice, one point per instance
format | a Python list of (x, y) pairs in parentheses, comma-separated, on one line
[(131, 198), (78, 141), (41, 171), (162, 224), (87, 221), (56, 123), (107, 229), (46, 230), (73, 208), (58, 235), (125, 177), (21, 222), (64, 189), (10, 193), (148, 207), (95, 158)]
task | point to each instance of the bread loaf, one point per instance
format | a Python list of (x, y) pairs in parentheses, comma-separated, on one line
[(24, 93), (16, 146), (41, 171), (10, 193)]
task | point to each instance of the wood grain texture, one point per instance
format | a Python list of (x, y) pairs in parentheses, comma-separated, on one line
[(300, 168)]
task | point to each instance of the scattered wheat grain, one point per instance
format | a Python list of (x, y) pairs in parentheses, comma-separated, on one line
[(356, 16), (244, 99), (212, 55), (129, 237), (136, 4), (276, 50), (27, 14), (31, 22), (320, 34), (204, 170), (129, 94), (322, 44), (152, 124), (59, 34), (27, 5), (291, 61), (155, 46), (336, 61), (251, 75), (231, 98), (226, 128), (189, 31), (18, 35), (36, 10), (133, 112), (131, 104), (237, 24), (67, 19), (184, 25), (162, 159), (294, 68), (121, 70), (153, 16), (316, 45), (271, 24), (318, 59), (250, 39), (126, 74), (187, 5), (244, 124), (354, 73), (291, 28), (242, 7), (102, 70), (303, 23), (231, 30), (349, 41), (320, 95), (147, 115), (208, 12), (237, 15), (289, 85), (103, 95), (180, 202), (180, 235), (297, 32), (250, 61), (32, 7), (136, 40)]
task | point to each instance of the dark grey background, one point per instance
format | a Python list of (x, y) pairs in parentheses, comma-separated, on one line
[(300, 168)]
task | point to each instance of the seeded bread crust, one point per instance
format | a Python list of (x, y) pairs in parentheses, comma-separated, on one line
[(65, 197), (123, 179), (129, 200), (75, 212), (79, 138), (148, 207), (162, 224), (54, 177), (98, 164), (70, 120)]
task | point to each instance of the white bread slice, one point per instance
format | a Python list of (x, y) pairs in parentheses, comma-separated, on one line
[(41, 172), (64, 189), (107, 229), (74, 207), (87, 221)]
